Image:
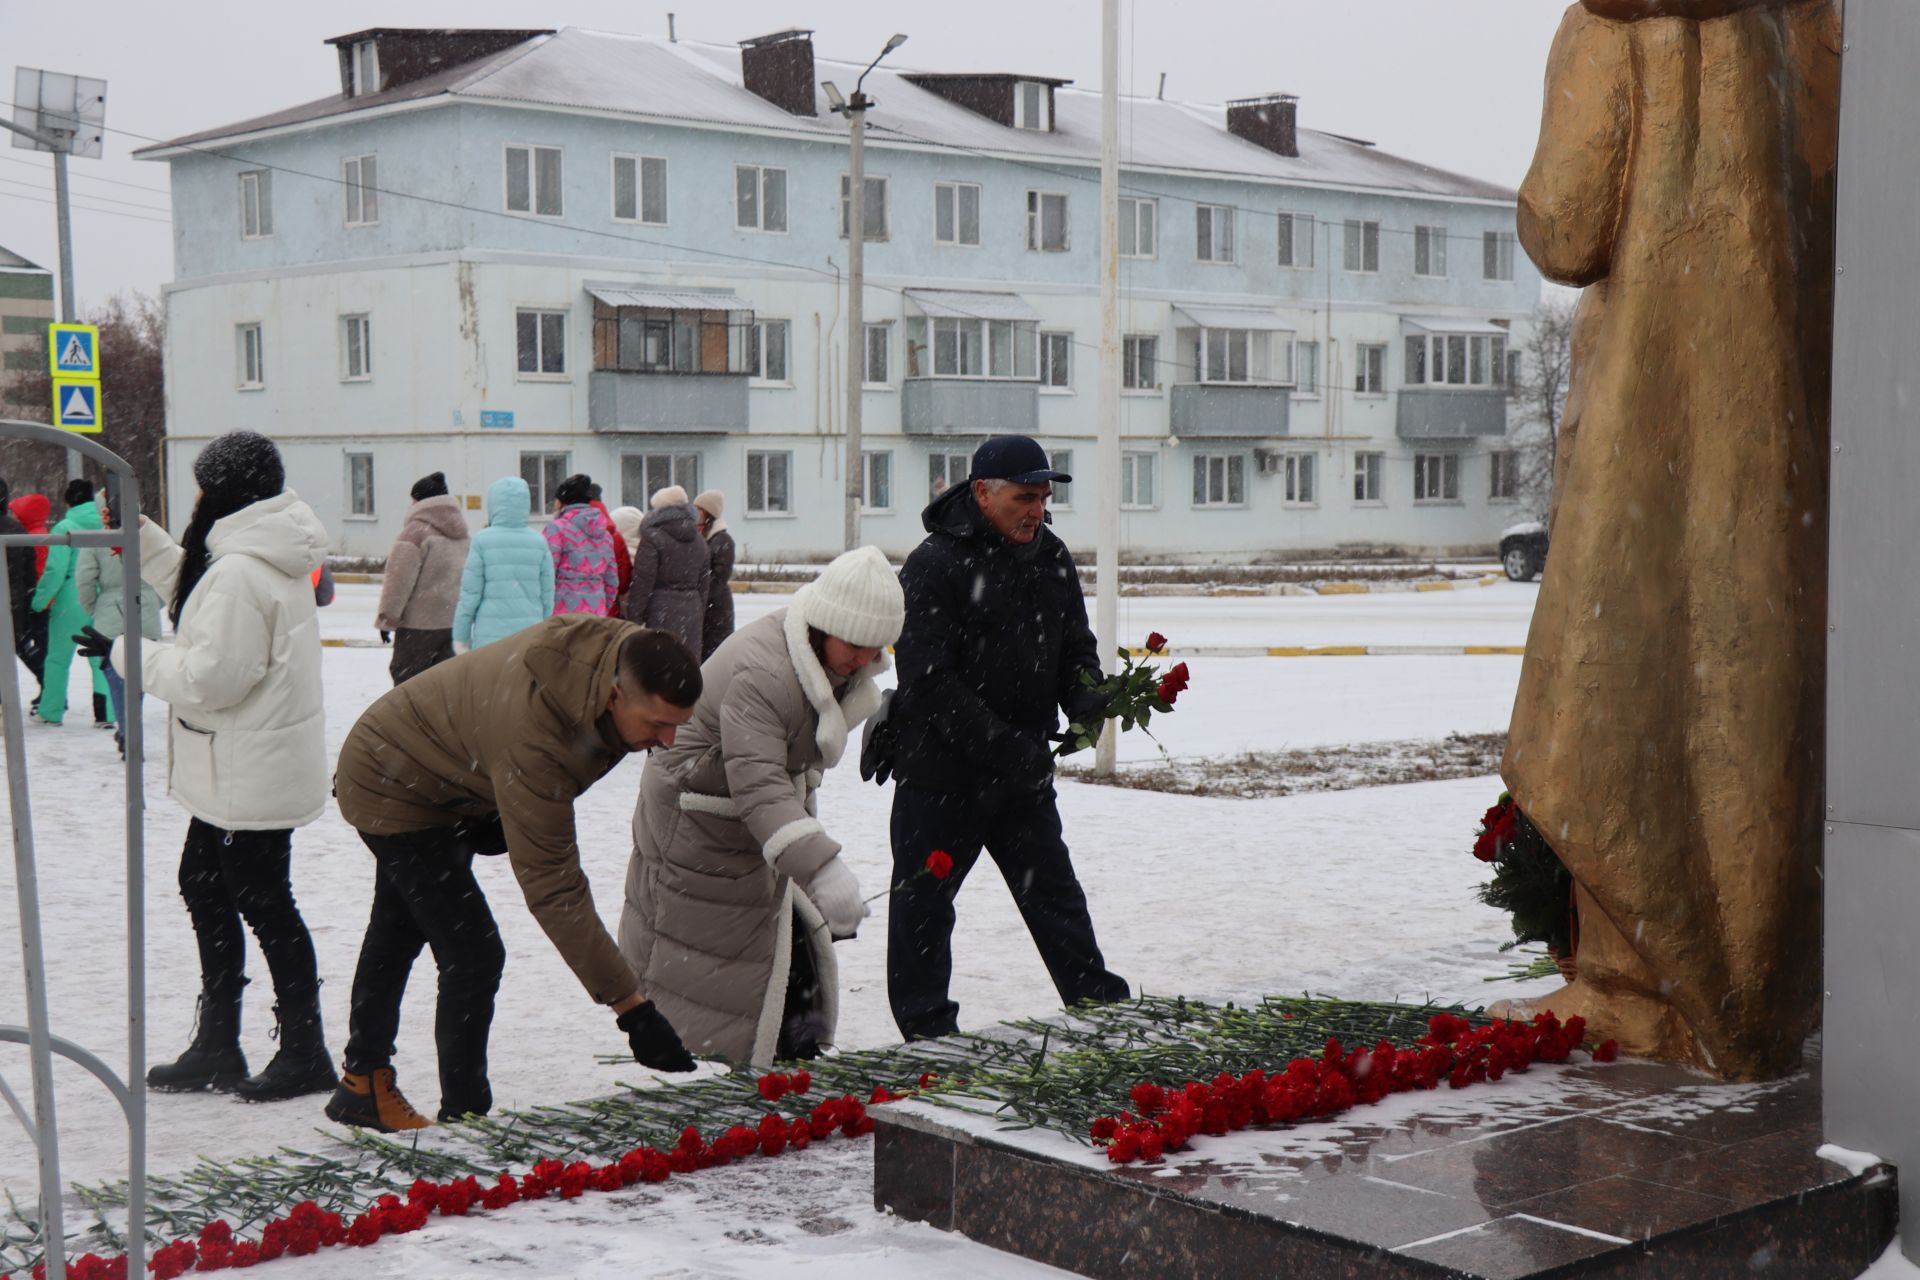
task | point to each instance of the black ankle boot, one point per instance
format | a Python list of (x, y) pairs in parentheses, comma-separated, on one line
[(101, 719), (302, 1066), (213, 1060)]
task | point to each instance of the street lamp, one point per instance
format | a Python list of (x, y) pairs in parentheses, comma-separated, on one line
[(855, 110)]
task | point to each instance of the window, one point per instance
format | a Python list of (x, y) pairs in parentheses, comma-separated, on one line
[(944, 470), (875, 221), (876, 480), (1363, 246), (644, 474), (541, 341), (985, 348), (1496, 250), (1140, 362), (543, 473), (366, 68), (1032, 106), (640, 189), (1296, 240), (252, 357), (356, 348), (360, 486), (1139, 224), (1136, 481), (767, 490), (1306, 368), (1056, 360), (1370, 368), (1513, 369), (1242, 355), (767, 356), (1213, 232), (256, 204), (1061, 460), (1430, 251), (760, 198), (1300, 491), (1436, 477), (669, 340), (1046, 222), (1368, 469), (879, 343), (533, 181), (362, 182), (956, 213), (1456, 359), (1220, 480), (1506, 475)]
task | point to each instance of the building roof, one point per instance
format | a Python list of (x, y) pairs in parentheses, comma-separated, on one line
[(11, 261), (693, 82)]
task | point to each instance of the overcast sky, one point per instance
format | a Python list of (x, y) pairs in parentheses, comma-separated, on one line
[(1454, 83)]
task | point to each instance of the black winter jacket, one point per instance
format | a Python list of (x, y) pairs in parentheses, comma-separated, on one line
[(996, 638), (21, 579)]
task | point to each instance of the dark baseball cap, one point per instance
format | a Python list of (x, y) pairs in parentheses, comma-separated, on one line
[(1019, 459)]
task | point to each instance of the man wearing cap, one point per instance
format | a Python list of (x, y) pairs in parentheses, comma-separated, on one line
[(995, 644)]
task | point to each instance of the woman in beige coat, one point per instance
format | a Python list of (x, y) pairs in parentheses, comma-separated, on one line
[(736, 893)]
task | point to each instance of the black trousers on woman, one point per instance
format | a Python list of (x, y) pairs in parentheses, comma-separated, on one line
[(230, 876)]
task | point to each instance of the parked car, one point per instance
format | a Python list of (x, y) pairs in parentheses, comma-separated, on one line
[(1523, 550)]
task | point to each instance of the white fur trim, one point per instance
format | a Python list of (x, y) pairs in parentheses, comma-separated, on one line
[(718, 806), (766, 1030), (787, 836), (838, 716), (825, 962)]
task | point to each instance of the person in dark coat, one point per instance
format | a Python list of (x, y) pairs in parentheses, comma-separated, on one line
[(710, 507), (31, 510), (671, 570), (995, 645), (21, 580)]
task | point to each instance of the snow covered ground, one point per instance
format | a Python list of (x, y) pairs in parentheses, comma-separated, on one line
[(1362, 894)]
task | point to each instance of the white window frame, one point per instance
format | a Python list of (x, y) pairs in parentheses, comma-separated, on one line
[(1060, 493), (1028, 115), (1131, 222), (540, 331), (357, 325), (355, 460), (1302, 481), (762, 461), (1207, 245), (882, 332), (762, 174), (1037, 221), (1437, 474), (1306, 367), (541, 493), (1130, 351), (250, 354), (758, 347), (945, 470), (1019, 337), (1503, 464), (364, 62), (256, 204), (876, 472), (1203, 464), (1370, 368), (1133, 464), (1430, 252), (362, 190), (670, 460), (534, 187), (1360, 237), (950, 197), (1056, 356), (1466, 354), (1496, 255), (1262, 351), (1293, 232), (641, 187), (886, 207), (1369, 478)]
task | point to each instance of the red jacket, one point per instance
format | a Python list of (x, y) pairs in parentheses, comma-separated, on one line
[(622, 558), (32, 510)]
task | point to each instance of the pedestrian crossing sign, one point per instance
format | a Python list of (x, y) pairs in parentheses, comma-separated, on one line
[(76, 404), (75, 349)]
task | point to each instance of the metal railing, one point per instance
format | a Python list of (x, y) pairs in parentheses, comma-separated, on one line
[(42, 1126)]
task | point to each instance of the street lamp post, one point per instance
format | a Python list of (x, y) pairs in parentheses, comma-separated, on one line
[(855, 110)]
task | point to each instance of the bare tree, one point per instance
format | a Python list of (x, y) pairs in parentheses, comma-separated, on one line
[(1539, 395)]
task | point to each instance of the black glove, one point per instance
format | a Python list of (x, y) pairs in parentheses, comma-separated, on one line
[(878, 742), (654, 1041), (91, 644), (386, 637)]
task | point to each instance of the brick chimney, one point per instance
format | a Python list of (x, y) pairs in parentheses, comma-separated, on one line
[(1270, 122), (779, 68)]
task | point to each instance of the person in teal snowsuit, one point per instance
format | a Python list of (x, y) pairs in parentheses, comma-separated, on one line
[(58, 596)]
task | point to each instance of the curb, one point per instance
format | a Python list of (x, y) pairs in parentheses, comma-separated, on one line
[(1139, 590), (1338, 651)]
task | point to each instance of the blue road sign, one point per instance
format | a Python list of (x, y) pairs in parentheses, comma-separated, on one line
[(75, 349), (76, 405)]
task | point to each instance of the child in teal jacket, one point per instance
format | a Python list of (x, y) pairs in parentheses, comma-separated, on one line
[(58, 597)]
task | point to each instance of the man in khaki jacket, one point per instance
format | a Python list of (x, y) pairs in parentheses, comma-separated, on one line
[(481, 755)]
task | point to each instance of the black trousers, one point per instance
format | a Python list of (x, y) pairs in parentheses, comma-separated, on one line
[(230, 876), (1021, 832), (424, 895), (30, 643), (418, 649)]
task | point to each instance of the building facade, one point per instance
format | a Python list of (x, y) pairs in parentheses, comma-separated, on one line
[(26, 309), (540, 253)]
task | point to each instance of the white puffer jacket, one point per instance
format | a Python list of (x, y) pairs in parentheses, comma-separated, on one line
[(246, 740)]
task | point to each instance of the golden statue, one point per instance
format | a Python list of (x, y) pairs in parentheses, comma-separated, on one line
[(1667, 733)]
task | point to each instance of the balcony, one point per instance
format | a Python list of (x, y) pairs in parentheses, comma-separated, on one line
[(1230, 410), (969, 407), (1451, 413), (666, 403)]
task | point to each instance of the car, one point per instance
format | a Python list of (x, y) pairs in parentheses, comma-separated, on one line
[(1523, 550)]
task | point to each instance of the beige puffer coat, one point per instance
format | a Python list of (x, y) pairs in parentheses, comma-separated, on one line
[(421, 586), (724, 826)]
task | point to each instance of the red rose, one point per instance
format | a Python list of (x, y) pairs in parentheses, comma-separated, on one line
[(940, 864), (1155, 642), (1173, 684)]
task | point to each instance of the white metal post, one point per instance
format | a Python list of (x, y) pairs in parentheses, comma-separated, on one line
[(856, 325), (1107, 455)]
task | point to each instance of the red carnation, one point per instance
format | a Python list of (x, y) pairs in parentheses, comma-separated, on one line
[(940, 864), (1155, 642), (927, 1078), (774, 1087), (800, 1081), (1104, 1128), (1607, 1052), (882, 1094)]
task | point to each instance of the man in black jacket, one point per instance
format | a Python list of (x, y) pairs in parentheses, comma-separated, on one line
[(995, 644)]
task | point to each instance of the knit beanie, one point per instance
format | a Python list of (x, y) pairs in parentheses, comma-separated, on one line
[(429, 486), (672, 496), (238, 469), (712, 503), (856, 598)]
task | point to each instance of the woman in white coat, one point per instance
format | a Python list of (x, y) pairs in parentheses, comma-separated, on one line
[(246, 751)]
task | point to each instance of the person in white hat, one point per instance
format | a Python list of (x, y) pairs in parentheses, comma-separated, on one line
[(735, 892)]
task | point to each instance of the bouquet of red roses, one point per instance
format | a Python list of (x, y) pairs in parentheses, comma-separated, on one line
[(1131, 695)]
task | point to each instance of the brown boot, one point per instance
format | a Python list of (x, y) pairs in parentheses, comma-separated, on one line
[(372, 1101)]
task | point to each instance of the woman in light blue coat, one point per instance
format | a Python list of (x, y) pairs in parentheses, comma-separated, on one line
[(508, 582)]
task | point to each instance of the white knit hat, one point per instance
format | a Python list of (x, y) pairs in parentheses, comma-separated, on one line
[(856, 598), (671, 496)]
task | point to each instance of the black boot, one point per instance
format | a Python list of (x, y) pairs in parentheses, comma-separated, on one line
[(101, 718), (213, 1060), (302, 1066)]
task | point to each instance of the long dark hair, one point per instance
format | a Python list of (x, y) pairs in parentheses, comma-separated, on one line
[(207, 511)]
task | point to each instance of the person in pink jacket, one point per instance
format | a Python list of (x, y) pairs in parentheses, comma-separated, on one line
[(586, 576)]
